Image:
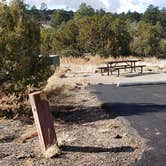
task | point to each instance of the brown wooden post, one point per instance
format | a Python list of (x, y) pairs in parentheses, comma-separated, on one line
[(44, 124)]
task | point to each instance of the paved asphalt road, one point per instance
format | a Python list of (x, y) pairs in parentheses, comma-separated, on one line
[(145, 108)]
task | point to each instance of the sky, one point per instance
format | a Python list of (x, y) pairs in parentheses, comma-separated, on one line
[(108, 5)]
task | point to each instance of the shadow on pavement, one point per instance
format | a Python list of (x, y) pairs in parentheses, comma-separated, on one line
[(89, 149), (128, 109), (82, 114), (79, 115)]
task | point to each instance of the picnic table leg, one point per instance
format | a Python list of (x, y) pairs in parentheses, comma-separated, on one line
[(101, 71), (134, 67), (141, 69), (118, 72), (125, 68), (131, 68), (111, 70), (108, 69)]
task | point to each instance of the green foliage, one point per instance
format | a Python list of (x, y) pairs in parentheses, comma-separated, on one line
[(46, 41), (147, 39), (132, 27), (59, 17), (121, 38), (95, 35), (99, 34), (151, 15), (100, 12), (163, 22), (133, 16), (19, 48), (162, 52), (83, 11), (102, 32), (65, 39), (103, 35)]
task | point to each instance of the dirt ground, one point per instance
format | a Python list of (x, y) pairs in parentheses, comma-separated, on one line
[(86, 135)]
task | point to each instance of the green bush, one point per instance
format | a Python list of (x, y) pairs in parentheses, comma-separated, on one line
[(162, 51), (20, 64), (65, 39), (147, 40)]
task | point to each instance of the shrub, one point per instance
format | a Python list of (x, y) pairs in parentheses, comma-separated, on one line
[(19, 54), (162, 51), (147, 40)]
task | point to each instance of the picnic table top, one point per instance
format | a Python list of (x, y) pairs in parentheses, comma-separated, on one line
[(122, 61)]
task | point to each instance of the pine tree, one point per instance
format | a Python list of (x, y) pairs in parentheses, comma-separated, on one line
[(19, 47)]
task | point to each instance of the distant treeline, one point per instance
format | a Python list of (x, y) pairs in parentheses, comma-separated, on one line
[(93, 31), (98, 32)]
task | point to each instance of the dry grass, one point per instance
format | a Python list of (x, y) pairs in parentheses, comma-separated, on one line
[(90, 64), (80, 61), (52, 151), (28, 162), (59, 82), (16, 104), (155, 64), (87, 64), (9, 102)]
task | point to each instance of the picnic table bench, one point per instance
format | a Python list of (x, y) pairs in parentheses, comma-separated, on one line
[(118, 65)]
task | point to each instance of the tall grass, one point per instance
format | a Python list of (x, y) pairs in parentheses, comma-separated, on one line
[(89, 64)]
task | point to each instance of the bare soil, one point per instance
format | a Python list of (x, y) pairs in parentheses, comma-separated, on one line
[(86, 134)]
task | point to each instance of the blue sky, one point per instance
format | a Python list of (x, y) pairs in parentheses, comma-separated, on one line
[(108, 5)]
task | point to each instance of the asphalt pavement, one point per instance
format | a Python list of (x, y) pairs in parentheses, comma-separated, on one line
[(145, 108)]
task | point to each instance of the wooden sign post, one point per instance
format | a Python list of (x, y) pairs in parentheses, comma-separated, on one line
[(44, 124)]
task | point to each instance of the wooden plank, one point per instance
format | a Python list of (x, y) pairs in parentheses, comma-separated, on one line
[(128, 67), (44, 124)]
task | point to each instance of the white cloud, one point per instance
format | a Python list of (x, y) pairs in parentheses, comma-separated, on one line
[(108, 5), (132, 5)]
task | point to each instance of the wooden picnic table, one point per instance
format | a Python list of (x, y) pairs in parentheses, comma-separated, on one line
[(122, 64)]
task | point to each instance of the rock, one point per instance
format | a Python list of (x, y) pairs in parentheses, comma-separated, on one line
[(124, 134), (24, 155), (118, 136), (63, 76), (2, 155), (79, 84)]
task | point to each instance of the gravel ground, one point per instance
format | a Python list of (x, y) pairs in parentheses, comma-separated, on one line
[(86, 135), (129, 77)]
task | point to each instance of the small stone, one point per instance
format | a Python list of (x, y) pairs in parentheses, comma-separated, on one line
[(124, 134), (24, 155), (118, 136), (79, 84)]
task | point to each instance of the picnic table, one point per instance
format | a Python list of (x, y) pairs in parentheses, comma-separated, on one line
[(117, 65)]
